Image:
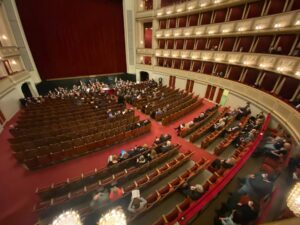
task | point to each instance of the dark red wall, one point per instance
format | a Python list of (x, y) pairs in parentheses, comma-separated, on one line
[(74, 37)]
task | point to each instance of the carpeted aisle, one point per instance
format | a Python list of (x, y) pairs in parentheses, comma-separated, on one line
[(18, 184)]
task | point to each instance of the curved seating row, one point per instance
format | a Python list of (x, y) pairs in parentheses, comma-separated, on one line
[(185, 132), (75, 151), (212, 136), (85, 192), (181, 110), (200, 131), (230, 138)]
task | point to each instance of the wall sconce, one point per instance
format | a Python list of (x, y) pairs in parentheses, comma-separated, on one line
[(159, 13), (241, 29), (297, 22), (179, 10), (13, 62), (169, 12), (231, 61), (198, 32), (259, 27), (211, 32), (262, 65), (176, 34), (187, 34), (297, 73), (183, 56), (4, 37), (203, 4), (217, 1), (191, 7), (194, 57), (277, 25)]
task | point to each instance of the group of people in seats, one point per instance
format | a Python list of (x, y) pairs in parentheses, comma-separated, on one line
[(275, 147), (249, 131), (90, 88), (190, 124), (160, 145), (131, 91), (242, 207), (218, 164), (104, 195), (31, 100)]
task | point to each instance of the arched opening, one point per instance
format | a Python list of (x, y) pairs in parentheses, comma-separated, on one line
[(26, 90), (144, 76)]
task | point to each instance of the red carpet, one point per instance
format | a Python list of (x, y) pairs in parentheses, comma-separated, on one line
[(18, 184)]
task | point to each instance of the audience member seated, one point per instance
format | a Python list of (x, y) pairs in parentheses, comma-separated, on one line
[(232, 129), (137, 202), (245, 211), (243, 111), (141, 160), (164, 148), (193, 192), (200, 117), (278, 154), (220, 124), (223, 163), (115, 193), (99, 198), (257, 186), (152, 155), (112, 160)]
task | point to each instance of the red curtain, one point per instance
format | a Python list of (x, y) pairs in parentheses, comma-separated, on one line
[(148, 35), (73, 38)]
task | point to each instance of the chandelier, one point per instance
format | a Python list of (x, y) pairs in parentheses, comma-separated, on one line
[(67, 218), (293, 201), (113, 217)]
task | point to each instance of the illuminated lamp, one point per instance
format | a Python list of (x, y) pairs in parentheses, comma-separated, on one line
[(113, 217), (293, 200), (67, 218)]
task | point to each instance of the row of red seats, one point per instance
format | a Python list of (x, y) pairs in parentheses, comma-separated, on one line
[(54, 204), (200, 131), (218, 176), (185, 132), (59, 156), (148, 179), (171, 187), (175, 105), (183, 110), (63, 120), (51, 136), (230, 138), (212, 136), (85, 178)]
